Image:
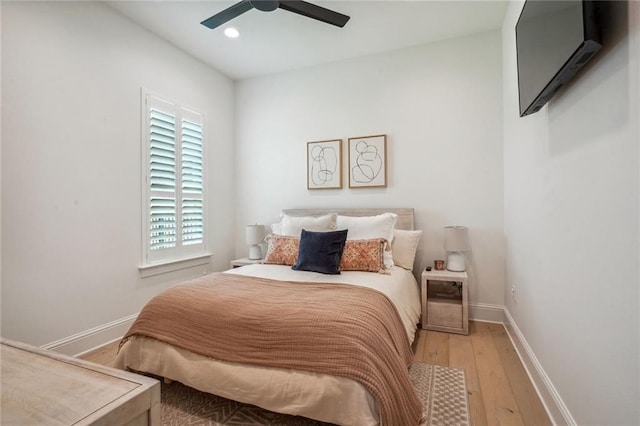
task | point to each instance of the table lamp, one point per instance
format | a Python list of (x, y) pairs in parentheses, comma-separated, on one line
[(456, 241), (254, 236)]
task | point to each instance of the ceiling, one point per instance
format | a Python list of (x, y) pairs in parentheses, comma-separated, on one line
[(277, 41)]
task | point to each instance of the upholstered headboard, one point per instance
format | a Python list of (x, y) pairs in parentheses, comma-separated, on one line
[(404, 221)]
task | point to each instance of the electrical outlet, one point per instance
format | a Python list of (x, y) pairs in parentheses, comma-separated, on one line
[(513, 292)]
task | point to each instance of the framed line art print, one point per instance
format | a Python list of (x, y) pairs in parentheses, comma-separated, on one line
[(368, 161), (324, 164)]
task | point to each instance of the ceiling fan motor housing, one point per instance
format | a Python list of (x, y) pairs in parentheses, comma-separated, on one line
[(265, 5)]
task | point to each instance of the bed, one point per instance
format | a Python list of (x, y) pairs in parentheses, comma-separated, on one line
[(287, 382)]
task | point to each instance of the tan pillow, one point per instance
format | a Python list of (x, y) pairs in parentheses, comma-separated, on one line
[(282, 250), (404, 246), (363, 255)]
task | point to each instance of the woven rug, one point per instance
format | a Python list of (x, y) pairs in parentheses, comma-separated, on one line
[(441, 389)]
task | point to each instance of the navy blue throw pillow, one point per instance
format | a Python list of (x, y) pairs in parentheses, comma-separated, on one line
[(320, 251)]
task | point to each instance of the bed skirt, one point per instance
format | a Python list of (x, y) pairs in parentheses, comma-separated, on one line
[(317, 396)]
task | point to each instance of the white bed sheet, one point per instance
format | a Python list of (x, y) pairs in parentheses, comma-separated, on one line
[(319, 396)]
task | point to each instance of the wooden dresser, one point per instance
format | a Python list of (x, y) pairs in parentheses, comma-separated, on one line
[(45, 387)]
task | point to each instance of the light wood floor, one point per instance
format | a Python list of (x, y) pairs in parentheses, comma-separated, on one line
[(500, 392)]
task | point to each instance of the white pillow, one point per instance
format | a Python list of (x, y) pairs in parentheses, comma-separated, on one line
[(368, 227), (276, 228), (388, 257), (293, 225), (404, 246)]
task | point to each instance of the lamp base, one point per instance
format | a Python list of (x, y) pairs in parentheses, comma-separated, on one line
[(455, 261), (255, 252)]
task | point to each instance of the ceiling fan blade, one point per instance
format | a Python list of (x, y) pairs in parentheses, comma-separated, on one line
[(227, 14), (315, 12)]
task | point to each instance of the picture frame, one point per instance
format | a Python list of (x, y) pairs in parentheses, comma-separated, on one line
[(324, 164), (368, 161)]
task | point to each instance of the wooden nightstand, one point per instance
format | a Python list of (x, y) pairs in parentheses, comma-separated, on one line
[(245, 261), (445, 304)]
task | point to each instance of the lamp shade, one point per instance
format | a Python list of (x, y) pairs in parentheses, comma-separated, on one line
[(456, 238), (254, 234)]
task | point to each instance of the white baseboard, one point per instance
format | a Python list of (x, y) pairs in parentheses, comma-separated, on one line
[(88, 340), (486, 313), (553, 403)]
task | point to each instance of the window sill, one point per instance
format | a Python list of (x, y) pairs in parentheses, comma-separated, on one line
[(173, 265)]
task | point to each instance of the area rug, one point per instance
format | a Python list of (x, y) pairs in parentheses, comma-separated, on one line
[(441, 389)]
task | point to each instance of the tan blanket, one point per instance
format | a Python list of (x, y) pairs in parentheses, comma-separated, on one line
[(337, 329)]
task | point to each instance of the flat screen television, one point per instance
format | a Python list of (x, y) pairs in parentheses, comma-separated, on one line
[(554, 39)]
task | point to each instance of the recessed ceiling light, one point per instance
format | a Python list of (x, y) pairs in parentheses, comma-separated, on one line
[(231, 32)]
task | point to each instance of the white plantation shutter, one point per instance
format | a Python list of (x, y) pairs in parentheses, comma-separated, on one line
[(174, 181), (192, 183), (162, 180)]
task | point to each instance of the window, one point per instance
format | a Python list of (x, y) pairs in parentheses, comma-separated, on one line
[(173, 160)]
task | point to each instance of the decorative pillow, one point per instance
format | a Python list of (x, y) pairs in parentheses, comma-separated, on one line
[(369, 227), (404, 246), (293, 225), (320, 251), (281, 250), (363, 255)]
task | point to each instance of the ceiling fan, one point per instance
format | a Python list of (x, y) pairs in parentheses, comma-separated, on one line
[(296, 6)]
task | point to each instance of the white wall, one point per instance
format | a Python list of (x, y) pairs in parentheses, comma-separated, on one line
[(571, 197), (71, 198), (440, 107)]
